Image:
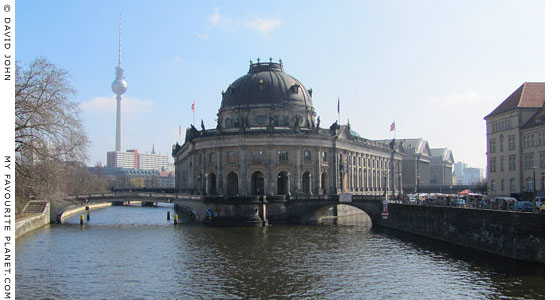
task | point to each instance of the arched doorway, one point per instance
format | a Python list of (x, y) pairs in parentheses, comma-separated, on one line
[(306, 182), (324, 186), (282, 183), (231, 184), (257, 183), (212, 183)]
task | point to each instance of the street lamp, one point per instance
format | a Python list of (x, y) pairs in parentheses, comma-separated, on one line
[(534, 189), (385, 183), (418, 188)]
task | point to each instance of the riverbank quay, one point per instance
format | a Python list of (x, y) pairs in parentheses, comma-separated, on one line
[(34, 215), (37, 214), (517, 235), (70, 212)]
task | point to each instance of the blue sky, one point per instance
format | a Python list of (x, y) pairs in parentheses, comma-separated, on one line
[(436, 68)]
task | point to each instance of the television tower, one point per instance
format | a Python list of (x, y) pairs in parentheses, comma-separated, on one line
[(119, 87)]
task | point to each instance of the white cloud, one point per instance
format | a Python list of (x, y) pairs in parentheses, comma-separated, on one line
[(178, 58), (219, 20), (130, 106), (467, 97), (202, 36), (222, 22), (263, 26)]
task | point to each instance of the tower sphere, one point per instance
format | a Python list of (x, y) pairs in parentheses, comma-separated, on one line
[(119, 86)]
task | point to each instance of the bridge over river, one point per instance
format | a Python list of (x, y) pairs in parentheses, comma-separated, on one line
[(513, 234), (242, 210)]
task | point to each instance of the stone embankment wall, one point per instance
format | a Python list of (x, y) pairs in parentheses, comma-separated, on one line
[(512, 234), (31, 220), (81, 209)]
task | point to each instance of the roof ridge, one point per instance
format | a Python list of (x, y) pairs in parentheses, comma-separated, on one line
[(522, 93)]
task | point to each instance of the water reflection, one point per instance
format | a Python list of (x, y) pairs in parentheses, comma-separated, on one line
[(135, 253)]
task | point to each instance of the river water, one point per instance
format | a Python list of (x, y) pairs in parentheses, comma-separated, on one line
[(135, 253)]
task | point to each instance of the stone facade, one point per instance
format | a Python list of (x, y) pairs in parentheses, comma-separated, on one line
[(441, 167), (268, 141), (513, 144)]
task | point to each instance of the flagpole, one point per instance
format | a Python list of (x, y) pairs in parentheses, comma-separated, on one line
[(193, 107), (338, 109)]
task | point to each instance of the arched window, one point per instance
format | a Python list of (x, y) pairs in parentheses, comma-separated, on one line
[(212, 183), (231, 184), (324, 182), (282, 183), (530, 184), (306, 182), (257, 183), (512, 184)]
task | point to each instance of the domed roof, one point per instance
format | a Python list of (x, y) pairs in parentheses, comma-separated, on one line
[(266, 83)]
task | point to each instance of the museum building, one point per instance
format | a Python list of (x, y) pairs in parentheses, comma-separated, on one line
[(268, 141)]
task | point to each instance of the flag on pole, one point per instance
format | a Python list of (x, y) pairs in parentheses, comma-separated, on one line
[(392, 127), (192, 106)]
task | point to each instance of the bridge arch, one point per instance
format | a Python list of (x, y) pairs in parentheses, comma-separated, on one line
[(319, 212)]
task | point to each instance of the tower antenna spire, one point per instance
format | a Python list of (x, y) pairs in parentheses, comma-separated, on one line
[(120, 39), (119, 87)]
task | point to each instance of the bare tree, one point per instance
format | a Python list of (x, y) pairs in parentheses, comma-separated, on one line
[(48, 130)]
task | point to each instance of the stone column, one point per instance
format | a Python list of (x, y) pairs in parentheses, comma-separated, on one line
[(288, 188), (271, 177), (242, 162), (310, 184), (318, 171), (297, 168), (206, 185), (203, 182), (220, 172), (335, 166)]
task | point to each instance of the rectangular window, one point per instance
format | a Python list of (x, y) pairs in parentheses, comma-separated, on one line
[(540, 141), (512, 184), (492, 164), (257, 155), (501, 143), (325, 157), (541, 160), (492, 146), (493, 185), (532, 140), (502, 163), (212, 157), (283, 155), (529, 161), (511, 142), (512, 162), (231, 155), (307, 156)]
